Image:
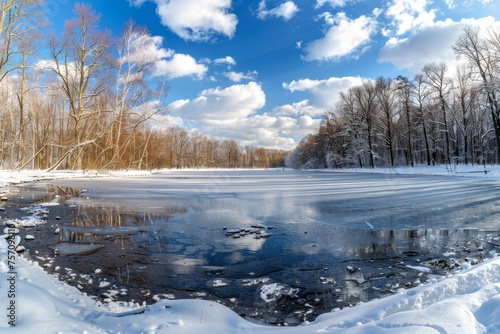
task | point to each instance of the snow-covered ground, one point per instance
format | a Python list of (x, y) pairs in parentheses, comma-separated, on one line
[(467, 302)]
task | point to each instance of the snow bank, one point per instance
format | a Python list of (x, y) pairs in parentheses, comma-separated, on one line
[(467, 302), (482, 171), (9, 177)]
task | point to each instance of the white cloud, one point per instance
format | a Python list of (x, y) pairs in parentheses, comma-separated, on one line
[(180, 65), (333, 3), (141, 51), (286, 10), (286, 125), (228, 60), (196, 20), (429, 44), (221, 104), (166, 120), (264, 130), (231, 113), (324, 93), (303, 107), (343, 38), (136, 3), (450, 3), (45, 65), (238, 76), (149, 50), (70, 70), (410, 14)]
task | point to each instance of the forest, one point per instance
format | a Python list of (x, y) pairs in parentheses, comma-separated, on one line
[(85, 99), (440, 116)]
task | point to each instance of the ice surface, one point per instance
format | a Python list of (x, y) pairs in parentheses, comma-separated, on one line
[(467, 302), (66, 248), (344, 199)]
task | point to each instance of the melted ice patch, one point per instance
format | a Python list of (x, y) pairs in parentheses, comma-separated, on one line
[(66, 248)]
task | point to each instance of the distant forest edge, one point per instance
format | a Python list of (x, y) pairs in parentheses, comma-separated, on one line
[(92, 102), (441, 116)]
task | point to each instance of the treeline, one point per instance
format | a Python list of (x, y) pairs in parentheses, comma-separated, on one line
[(441, 116), (176, 148), (84, 99)]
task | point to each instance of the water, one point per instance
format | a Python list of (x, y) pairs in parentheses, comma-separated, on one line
[(337, 238)]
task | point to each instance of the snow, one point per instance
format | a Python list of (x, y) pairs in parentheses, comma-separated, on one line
[(274, 291), (420, 268), (466, 302)]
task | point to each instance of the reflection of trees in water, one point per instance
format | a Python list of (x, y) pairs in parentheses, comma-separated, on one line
[(128, 238), (379, 244), (54, 191), (375, 262), (111, 224)]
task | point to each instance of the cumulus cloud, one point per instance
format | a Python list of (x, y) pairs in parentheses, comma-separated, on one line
[(286, 125), (343, 37), (162, 120), (238, 76), (410, 14), (231, 113), (228, 60), (144, 48), (221, 104), (195, 20), (286, 10), (180, 65), (266, 130), (429, 44), (45, 65), (257, 130), (71, 70), (324, 93), (300, 108), (165, 62)]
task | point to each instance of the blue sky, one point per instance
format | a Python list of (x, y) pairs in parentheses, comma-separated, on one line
[(264, 72)]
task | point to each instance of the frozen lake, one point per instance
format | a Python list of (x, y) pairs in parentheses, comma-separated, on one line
[(353, 200), (331, 239)]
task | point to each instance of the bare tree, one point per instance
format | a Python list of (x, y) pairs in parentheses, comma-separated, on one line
[(347, 109), (365, 97), (466, 96), (404, 89), (17, 29), (386, 101), (17, 20), (231, 153), (137, 93), (79, 60), (483, 55), (422, 93), (435, 75)]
